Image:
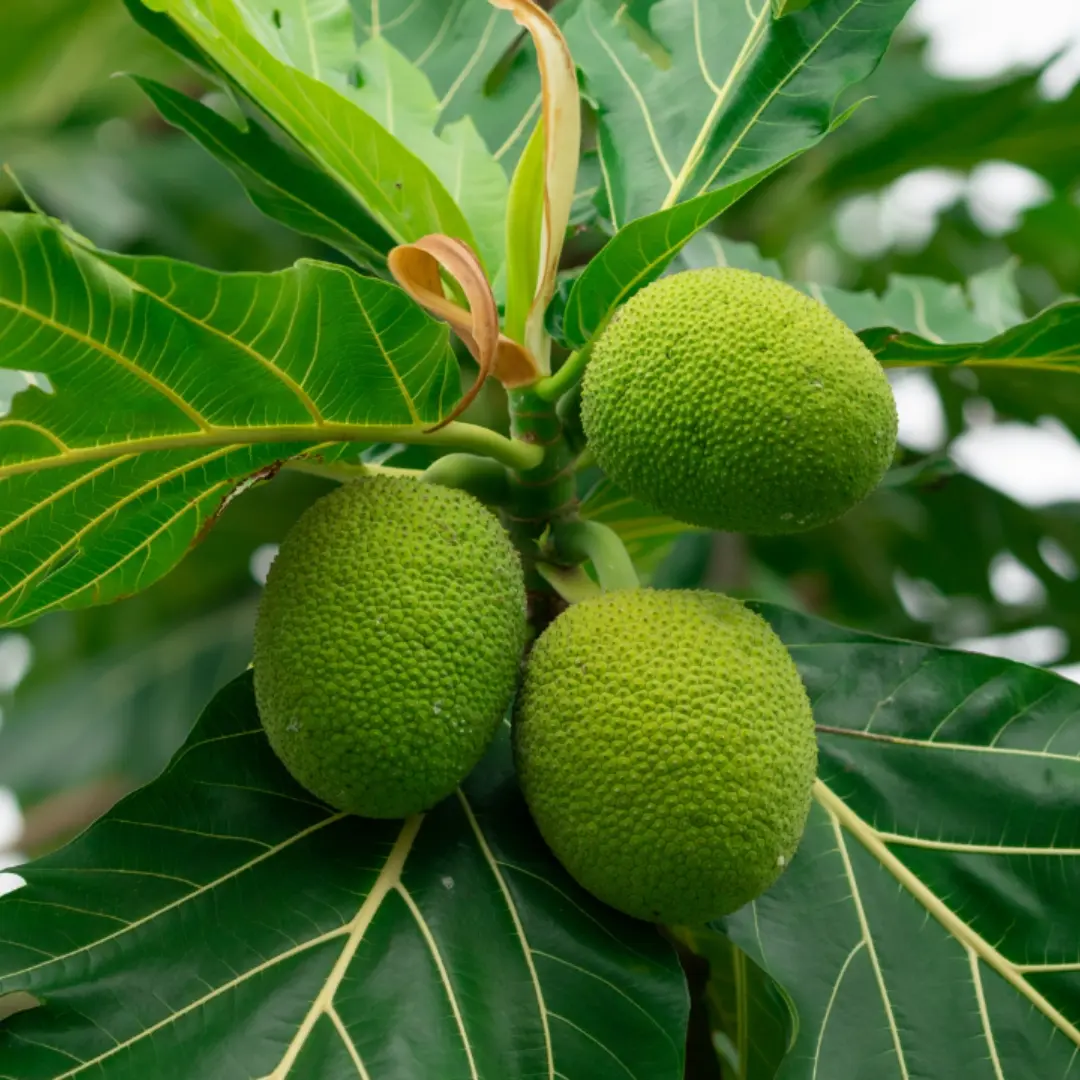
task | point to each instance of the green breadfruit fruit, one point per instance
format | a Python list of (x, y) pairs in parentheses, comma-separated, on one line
[(666, 749), (388, 644), (732, 401)]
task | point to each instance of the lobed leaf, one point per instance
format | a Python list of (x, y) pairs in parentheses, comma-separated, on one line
[(637, 255), (475, 57), (705, 95), (699, 109), (1050, 340), (169, 385), (932, 935), (448, 945), (400, 98)]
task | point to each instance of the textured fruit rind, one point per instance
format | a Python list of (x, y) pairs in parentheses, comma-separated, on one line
[(732, 401), (388, 644), (666, 748)]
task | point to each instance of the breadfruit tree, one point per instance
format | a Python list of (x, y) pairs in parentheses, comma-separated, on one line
[(503, 784)]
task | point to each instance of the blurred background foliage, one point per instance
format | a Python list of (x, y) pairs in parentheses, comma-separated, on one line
[(974, 541)]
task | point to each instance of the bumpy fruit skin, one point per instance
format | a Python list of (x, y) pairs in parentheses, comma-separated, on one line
[(388, 644), (732, 401), (665, 746)]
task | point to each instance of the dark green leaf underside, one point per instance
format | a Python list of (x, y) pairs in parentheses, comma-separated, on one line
[(927, 922), (246, 931)]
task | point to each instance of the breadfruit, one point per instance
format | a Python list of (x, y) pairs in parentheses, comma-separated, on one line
[(665, 746), (732, 401), (388, 644)]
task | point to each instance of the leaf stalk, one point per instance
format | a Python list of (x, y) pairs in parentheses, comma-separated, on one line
[(471, 438), (566, 378)]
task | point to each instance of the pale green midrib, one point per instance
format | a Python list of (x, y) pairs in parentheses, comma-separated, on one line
[(693, 158), (519, 929), (843, 816), (457, 435), (773, 94)]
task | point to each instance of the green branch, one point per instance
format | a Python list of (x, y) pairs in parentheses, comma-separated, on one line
[(554, 386)]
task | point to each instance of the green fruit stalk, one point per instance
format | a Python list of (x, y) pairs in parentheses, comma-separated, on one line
[(665, 746), (732, 401), (388, 644)]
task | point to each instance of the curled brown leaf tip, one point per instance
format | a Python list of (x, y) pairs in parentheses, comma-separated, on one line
[(416, 267)]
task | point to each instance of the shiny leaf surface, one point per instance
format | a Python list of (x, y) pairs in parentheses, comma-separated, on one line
[(479, 64), (284, 185), (699, 109), (303, 72), (711, 93), (448, 945), (169, 385), (925, 923)]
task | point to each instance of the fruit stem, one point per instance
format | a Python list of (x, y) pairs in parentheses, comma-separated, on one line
[(543, 493), (481, 477), (572, 583), (568, 409), (602, 546), (554, 386)]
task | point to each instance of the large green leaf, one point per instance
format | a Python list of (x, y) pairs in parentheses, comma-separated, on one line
[(637, 255), (716, 92), (400, 98), (722, 98), (926, 926), (1050, 340), (169, 385), (1027, 369), (304, 70), (258, 933), (940, 311), (281, 183)]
